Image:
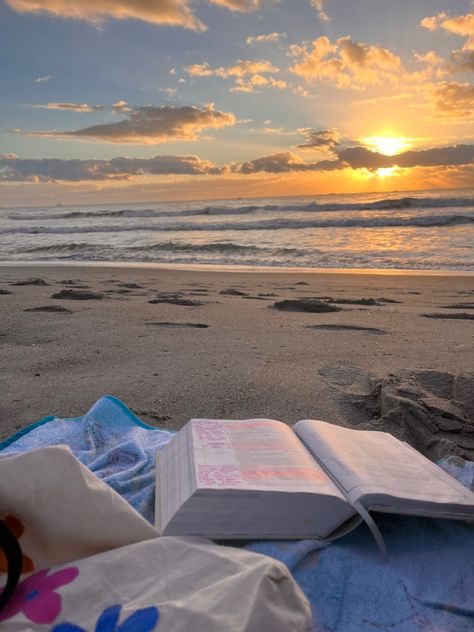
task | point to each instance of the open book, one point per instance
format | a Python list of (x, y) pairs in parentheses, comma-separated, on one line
[(262, 479)]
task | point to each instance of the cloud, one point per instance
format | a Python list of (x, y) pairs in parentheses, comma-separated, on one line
[(460, 25), (361, 158), (249, 75), (345, 62), (319, 6), (261, 39), (322, 139), (149, 125), (454, 100), (239, 69), (301, 92), (166, 12), (43, 79), (461, 60), (120, 106), (243, 6), (384, 99), (14, 169), (169, 12), (255, 82), (284, 162), (72, 107)]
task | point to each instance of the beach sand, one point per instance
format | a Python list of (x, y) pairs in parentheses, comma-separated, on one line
[(381, 366)]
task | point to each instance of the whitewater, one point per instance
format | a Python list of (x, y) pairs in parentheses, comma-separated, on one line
[(429, 230)]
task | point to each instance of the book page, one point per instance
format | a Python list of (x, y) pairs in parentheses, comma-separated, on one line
[(175, 479), (255, 454), (375, 463)]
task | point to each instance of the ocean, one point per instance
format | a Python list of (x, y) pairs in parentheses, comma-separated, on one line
[(428, 230)]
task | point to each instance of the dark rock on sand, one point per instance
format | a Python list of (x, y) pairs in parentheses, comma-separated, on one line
[(304, 305), (49, 308), (301, 283), (269, 294), (124, 291), (232, 292), (354, 301), (186, 302), (388, 300), (4, 292), (180, 325), (31, 281), (131, 286), (370, 330), (455, 316), (459, 306), (78, 295), (256, 298)]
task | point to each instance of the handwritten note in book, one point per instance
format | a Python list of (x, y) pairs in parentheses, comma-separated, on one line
[(257, 454)]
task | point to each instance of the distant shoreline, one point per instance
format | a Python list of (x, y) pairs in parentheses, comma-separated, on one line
[(216, 268), (234, 198)]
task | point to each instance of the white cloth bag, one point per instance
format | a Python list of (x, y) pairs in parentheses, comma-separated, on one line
[(100, 567)]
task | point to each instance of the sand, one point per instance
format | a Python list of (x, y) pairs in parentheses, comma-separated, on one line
[(397, 354)]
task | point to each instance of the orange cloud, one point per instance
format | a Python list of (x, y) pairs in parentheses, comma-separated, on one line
[(239, 69), (345, 62), (170, 12), (454, 100), (120, 106), (150, 125), (261, 39), (238, 5), (461, 25), (249, 75)]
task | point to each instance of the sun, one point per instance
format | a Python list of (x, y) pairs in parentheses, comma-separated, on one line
[(385, 172), (387, 145)]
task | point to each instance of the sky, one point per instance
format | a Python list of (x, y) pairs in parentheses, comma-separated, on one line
[(149, 100)]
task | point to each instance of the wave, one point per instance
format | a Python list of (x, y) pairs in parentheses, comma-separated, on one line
[(169, 246), (385, 204), (209, 210), (426, 221)]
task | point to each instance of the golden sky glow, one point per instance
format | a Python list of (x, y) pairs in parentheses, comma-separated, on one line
[(207, 99)]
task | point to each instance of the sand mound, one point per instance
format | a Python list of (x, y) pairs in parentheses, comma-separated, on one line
[(431, 410)]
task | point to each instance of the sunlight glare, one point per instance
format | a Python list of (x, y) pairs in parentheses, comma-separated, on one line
[(387, 145), (385, 172)]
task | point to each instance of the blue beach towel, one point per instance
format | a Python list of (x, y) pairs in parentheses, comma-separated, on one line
[(427, 585)]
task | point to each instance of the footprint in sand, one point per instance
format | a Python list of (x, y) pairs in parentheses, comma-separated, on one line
[(31, 281), (232, 292), (57, 309), (185, 302), (304, 305), (455, 316), (78, 295), (180, 325), (369, 330)]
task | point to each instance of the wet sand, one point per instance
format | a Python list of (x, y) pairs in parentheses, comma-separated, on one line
[(384, 351)]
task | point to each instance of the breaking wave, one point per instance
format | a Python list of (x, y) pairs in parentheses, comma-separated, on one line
[(426, 221), (315, 207)]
